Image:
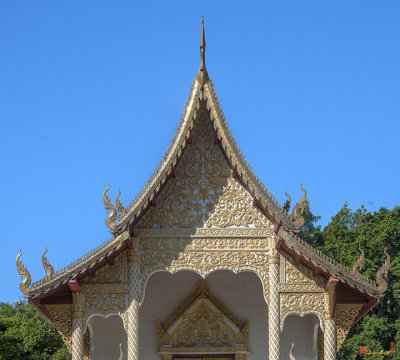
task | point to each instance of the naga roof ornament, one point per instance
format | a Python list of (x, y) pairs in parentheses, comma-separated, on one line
[(110, 208), (287, 203), (382, 274), (360, 261), (48, 268), (23, 274), (298, 209)]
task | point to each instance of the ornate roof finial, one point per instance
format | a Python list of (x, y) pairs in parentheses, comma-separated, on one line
[(202, 75)]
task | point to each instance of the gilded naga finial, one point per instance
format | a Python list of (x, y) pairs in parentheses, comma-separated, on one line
[(202, 74), (48, 268), (360, 262), (382, 274), (24, 275), (287, 203), (298, 209), (110, 208)]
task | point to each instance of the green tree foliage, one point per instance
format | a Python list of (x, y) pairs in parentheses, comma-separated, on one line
[(341, 239), (26, 335)]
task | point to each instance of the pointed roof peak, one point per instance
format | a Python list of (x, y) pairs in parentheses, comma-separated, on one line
[(202, 75)]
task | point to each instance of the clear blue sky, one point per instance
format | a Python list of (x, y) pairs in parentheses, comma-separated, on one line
[(91, 93)]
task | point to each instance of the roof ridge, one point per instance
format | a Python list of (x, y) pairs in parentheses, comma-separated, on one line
[(332, 262), (98, 252)]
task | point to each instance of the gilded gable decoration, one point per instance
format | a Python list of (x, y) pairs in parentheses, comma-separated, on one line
[(202, 324)]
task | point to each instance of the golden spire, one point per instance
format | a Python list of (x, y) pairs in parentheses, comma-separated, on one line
[(202, 75)]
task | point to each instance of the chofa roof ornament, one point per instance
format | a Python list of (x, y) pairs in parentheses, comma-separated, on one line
[(24, 275), (297, 213)]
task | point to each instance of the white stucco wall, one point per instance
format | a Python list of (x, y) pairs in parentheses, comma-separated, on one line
[(302, 331), (105, 335), (241, 293)]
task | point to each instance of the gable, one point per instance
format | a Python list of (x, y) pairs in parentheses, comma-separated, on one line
[(203, 192)]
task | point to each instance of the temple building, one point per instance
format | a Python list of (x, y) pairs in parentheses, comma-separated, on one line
[(204, 263)]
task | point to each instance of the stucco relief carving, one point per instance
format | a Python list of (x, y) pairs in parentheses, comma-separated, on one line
[(203, 193), (302, 304), (345, 315), (204, 262), (104, 304), (298, 278), (204, 243), (206, 232), (62, 320), (234, 208)]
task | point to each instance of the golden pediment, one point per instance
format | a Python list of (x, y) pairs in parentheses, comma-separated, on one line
[(202, 324)]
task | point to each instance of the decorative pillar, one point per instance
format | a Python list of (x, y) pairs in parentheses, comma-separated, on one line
[(77, 326), (330, 325), (133, 307), (330, 339), (273, 308)]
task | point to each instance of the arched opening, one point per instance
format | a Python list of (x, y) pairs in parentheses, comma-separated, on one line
[(302, 331), (241, 293), (107, 337)]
